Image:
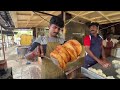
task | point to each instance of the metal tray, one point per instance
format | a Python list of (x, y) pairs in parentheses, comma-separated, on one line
[(109, 71)]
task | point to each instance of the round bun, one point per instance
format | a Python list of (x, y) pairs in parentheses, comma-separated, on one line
[(77, 46), (71, 50), (56, 55), (63, 52)]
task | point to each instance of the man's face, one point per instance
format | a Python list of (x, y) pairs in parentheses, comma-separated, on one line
[(93, 29), (54, 30), (109, 37)]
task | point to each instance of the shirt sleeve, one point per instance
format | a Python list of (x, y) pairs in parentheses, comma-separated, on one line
[(34, 45), (38, 40), (87, 41), (104, 43), (62, 41), (116, 41)]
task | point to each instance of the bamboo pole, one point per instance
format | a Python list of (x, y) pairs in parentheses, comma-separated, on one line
[(2, 44)]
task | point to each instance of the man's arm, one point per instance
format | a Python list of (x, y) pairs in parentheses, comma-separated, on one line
[(104, 62), (103, 52), (115, 43), (41, 51), (104, 57), (34, 45)]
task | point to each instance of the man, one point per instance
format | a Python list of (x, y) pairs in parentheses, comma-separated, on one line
[(109, 44), (48, 69), (56, 24), (94, 49)]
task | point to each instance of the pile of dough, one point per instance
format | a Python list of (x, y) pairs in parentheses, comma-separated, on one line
[(110, 77), (97, 71), (100, 72), (116, 63), (67, 52), (92, 69), (118, 76), (118, 71)]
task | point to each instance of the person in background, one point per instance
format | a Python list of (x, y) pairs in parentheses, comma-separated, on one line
[(109, 44), (94, 49)]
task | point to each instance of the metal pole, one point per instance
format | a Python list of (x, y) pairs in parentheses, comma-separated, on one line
[(13, 37), (7, 42), (3, 44), (36, 32), (64, 17)]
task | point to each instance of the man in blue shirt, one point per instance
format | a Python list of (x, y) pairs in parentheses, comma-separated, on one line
[(94, 48)]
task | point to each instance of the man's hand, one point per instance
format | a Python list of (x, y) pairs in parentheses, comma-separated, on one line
[(107, 62), (104, 63), (42, 54)]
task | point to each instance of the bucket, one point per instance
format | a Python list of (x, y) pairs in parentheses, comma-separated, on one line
[(22, 51), (3, 64)]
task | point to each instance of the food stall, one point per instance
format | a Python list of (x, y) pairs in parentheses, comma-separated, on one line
[(75, 28)]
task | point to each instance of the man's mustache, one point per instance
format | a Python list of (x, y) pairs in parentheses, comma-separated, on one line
[(56, 32), (91, 30)]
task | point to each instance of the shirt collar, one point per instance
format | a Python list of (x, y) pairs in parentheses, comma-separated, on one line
[(93, 35), (107, 40)]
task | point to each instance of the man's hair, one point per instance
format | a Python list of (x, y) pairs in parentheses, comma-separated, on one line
[(57, 21), (94, 23), (108, 34)]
